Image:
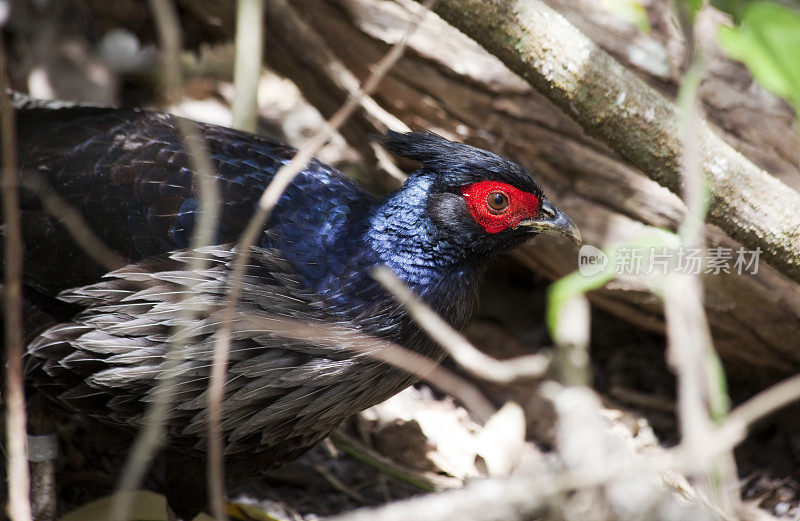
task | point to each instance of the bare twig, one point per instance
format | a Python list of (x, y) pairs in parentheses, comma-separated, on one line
[(463, 352), (426, 481), (337, 484), (324, 79), (73, 221), (640, 400), (204, 233), (690, 347), (379, 349), (764, 403), (736, 426), (687, 330), (571, 334), (269, 198), (247, 68), (19, 506)]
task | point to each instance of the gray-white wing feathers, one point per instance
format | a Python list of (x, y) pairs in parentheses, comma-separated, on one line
[(108, 361)]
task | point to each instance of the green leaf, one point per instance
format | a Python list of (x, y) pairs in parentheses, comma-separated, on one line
[(719, 401), (768, 42), (568, 287), (692, 6), (577, 283), (631, 11), (735, 8)]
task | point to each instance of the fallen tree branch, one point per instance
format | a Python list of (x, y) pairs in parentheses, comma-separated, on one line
[(470, 358), (615, 106)]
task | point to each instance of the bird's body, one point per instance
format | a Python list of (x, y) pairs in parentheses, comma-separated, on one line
[(129, 176)]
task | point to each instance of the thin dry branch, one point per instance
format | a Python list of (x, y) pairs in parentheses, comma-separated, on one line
[(615, 106), (761, 405), (463, 352), (19, 506), (282, 179), (379, 349), (73, 222), (739, 422), (423, 480), (688, 335), (247, 68), (572, 334), (325, 80), (153, 431)]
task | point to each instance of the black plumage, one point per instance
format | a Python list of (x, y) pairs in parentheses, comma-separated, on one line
[(127, 173)]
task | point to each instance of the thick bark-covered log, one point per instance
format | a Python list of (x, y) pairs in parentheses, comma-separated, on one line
[(614, 105), (448, 84)]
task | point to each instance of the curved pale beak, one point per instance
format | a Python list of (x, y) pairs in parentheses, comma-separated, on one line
[(554, 222)]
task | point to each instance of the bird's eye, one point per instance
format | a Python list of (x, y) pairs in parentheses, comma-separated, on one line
[(497, 202)]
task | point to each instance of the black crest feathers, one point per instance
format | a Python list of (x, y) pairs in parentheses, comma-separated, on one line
[(457, 164)]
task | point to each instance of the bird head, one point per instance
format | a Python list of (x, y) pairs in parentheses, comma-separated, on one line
[(479, 200)]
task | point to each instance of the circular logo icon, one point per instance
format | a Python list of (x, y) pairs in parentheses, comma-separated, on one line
[(591, 260)]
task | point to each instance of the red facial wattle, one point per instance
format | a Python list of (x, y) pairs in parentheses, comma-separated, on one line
[(485, 202)]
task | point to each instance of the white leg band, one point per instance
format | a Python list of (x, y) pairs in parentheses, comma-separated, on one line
[(42, 448)]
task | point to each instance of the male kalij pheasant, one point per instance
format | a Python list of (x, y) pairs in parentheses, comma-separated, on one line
[(129, 176)]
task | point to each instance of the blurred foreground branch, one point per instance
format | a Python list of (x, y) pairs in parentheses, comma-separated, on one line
[(19, 506), (378, 349), (153, 433), (597, 465), (463, 352)]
